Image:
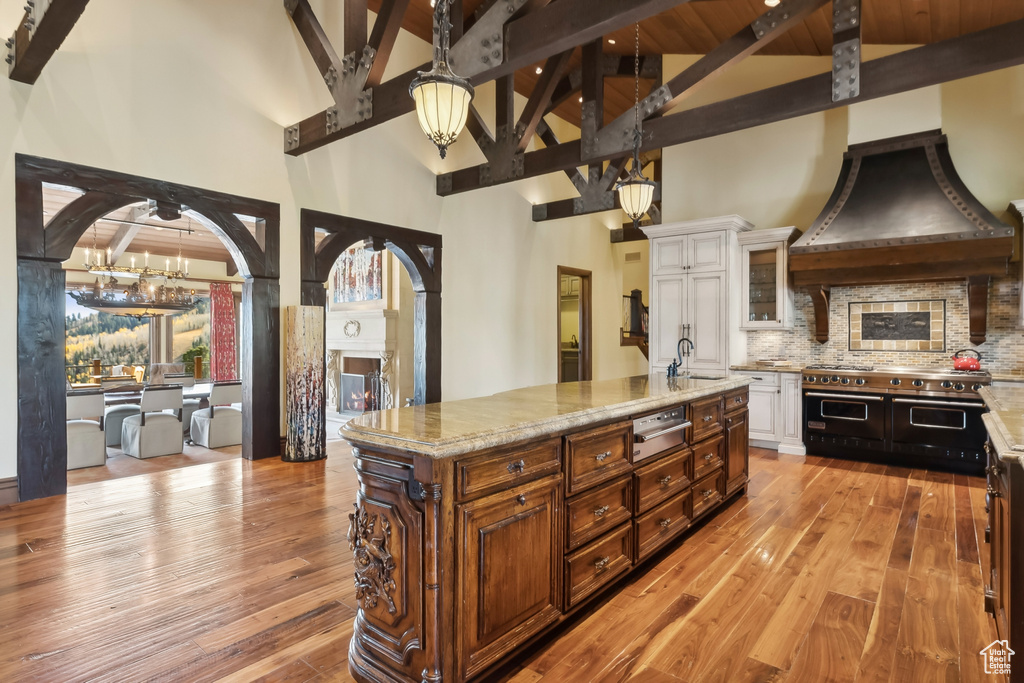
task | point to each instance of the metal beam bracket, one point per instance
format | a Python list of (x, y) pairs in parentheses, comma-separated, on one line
[(845, 15), (769, 20), (617, 136), (846, 70), (12, 53), (482, 47), (291, 138)]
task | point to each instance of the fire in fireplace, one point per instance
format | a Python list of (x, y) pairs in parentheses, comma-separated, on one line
[(360, 393)]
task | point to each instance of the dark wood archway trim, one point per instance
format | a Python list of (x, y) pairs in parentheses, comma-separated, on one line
[(418, 251), (41, 248)]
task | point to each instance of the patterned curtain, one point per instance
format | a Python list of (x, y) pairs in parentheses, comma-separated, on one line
[(222, 332)]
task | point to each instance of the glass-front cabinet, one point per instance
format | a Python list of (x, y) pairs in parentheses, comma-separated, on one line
[(767, 297)]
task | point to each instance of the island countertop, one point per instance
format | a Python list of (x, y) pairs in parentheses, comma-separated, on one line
[(1005, 421), (450, 428)]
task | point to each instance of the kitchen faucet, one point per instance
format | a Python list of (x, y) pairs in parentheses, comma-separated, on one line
[(673, 369)]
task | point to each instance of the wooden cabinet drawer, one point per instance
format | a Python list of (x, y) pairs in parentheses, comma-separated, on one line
[(708, 492), (708, 456), (595, 512), (511, 467), (597, 455), (706, 416), (736, 400), (662, 524), (597, 563), (662, 479)]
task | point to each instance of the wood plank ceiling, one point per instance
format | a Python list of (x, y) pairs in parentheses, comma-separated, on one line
[(697, 27)]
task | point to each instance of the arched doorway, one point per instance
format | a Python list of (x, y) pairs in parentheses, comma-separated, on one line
[(43, 245), (418, 251)]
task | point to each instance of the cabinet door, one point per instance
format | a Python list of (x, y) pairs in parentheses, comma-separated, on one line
[(668, 296), (792, 409), (706, 312), (764, 413), (763, 288), (736, 448), (668, 255), (707, 252), (509, 577)]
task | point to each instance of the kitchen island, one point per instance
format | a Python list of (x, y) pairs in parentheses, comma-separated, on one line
[(1004, 502), (480, 524)]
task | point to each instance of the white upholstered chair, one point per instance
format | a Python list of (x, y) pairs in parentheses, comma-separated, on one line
[(188, 405), (86, 445), (221, 423), (154, 432)]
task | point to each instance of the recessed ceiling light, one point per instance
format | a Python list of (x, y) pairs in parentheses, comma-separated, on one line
[(772, 3), (539, 70), (611, 41)]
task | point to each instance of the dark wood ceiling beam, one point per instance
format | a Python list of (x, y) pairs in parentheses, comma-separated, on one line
[(527, 39), (314, 37), (766, 28), (354, 25), (40, 33), (540, 98), (385, 33), (976, 53), (596, 195)]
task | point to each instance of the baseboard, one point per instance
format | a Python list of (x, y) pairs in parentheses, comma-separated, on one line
[(8, 491), (792, 449), (771, 445)]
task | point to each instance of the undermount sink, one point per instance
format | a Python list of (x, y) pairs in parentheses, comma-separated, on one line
[(688, 375)]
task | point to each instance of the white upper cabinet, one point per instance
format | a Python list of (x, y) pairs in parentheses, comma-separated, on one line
[(766, 299)]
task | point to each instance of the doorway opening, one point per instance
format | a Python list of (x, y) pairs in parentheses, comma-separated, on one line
[(247, 230), (574, 325)]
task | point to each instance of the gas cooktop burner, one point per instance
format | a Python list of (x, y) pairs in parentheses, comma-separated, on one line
[(969, 373), (846, 368)]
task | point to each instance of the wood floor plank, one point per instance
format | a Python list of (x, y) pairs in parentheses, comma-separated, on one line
[(906, 530), (977, 628), (880, 644), (937, 506), (861, 570), (966, 531), (835, 642), (892, 487)]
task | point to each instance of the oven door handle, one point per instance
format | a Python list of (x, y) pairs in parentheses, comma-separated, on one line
[(856, 397), (951, 404), (653, 435)]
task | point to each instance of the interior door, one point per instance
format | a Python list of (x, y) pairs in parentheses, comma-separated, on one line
[(706, 308)]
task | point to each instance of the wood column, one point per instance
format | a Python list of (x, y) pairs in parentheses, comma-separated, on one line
[(42, 386), (261, 385), (313, 293)]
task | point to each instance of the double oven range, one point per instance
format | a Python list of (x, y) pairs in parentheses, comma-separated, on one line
[(906, 416)]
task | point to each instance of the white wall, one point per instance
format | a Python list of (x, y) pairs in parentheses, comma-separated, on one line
[(199, 93)]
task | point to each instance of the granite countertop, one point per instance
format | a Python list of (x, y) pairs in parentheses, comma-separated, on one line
[(1005, 421), (450, 428), (754, 367)]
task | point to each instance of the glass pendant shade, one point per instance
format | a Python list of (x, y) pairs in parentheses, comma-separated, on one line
[(442, 105), (635, 195)]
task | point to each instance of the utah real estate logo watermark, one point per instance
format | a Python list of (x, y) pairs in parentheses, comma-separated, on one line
[(997, 657)]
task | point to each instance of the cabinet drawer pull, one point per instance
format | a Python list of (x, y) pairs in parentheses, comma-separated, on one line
[(601, 562), (600, 457), (708, 457), (521, 499), (738, 399), (514, 467), (665, 480), (599, 512), (707, 418), (665, 523), (708, 493), (992, 492), (994, 469)]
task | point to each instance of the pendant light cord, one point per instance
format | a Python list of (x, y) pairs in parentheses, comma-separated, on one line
[(636, 98)]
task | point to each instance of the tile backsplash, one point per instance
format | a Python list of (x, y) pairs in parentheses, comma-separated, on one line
[(1002, 352)]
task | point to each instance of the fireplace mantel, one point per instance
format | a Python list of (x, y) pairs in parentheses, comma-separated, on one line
[(371, 333)]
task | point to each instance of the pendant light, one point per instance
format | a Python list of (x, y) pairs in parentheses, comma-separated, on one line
[(636, 192), (442, 98)]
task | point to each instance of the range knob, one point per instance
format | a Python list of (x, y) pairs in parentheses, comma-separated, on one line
[(958, 386), (975, 387), (946, 384), (861, 381), (810, 379), (835, 379), (824, 380), (918, 382), (845, 380), (895, 381)]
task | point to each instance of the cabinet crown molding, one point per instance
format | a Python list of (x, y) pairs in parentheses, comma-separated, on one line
[(786, 234), (731, 222)]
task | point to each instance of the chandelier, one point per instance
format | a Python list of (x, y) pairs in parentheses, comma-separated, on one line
[(636, 192), (140, 299), (442, 98)]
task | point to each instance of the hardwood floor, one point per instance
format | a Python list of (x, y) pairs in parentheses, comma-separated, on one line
[(119, 465), (239, 570)]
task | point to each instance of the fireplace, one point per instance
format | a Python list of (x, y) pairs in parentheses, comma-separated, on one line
[(362, 386)]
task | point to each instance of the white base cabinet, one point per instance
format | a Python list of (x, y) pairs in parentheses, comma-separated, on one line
[(776, 411)]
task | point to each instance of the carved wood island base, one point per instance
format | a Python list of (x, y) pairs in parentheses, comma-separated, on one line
[(481, 524)]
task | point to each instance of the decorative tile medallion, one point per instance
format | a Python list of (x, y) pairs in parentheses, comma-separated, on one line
[(898, 325)]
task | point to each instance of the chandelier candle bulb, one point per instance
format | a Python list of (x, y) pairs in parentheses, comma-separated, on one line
[(108, 256), (147, 259), (133, 261)]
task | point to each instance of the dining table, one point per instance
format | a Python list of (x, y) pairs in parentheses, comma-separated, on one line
[(132, 393)]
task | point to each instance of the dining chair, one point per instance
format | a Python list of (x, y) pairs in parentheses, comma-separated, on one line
[(156, 430), (221, 423), (86, 445)]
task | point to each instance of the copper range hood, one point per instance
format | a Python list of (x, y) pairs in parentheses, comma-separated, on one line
[(900, 213)]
